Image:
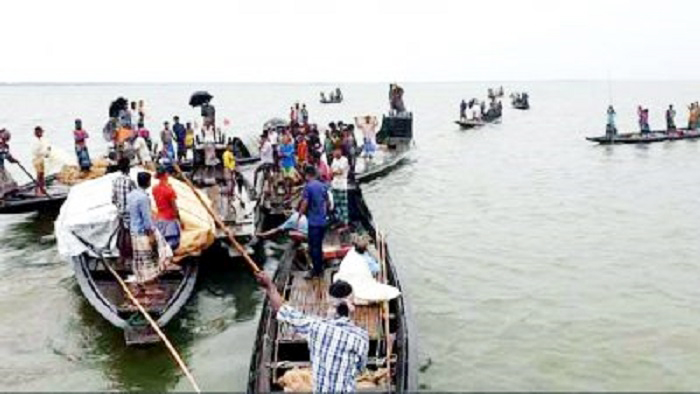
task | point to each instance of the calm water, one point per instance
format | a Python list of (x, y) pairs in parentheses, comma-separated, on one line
[(532, 259)]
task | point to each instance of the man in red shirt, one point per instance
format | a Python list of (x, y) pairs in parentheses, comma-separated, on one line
[(168, 217)]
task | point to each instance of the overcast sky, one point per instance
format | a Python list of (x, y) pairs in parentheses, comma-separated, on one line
[(347, 41)]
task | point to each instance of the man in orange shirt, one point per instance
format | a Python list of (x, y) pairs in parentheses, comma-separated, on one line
[(168, 217)]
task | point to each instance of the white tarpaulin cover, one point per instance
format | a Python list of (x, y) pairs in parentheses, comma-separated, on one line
[(355, 271), (89, 213)]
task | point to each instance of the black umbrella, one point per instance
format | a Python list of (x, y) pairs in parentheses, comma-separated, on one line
[(275, 123), (118, 105), (199, 98)]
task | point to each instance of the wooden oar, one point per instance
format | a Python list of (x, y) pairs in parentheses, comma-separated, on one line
[(31, 177), (385, 305), (219, 223)]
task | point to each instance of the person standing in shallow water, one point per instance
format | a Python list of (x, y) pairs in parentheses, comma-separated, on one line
[(81, 150)]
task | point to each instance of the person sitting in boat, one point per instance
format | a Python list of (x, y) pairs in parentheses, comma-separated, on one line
[(296, 225), (670, 119), (338, 348), (463, 111), (40, 152), (323, 97), (610, 128), (151, 252), (81, 151), (167, 218), (122, 185), (338, 94), (7, 183)]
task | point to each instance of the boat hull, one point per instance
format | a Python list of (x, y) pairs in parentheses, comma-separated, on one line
[(638, 138), (105, 295)]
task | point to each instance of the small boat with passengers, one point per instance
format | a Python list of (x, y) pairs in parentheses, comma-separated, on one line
[(280, 355), (86, 234), (646, 138)]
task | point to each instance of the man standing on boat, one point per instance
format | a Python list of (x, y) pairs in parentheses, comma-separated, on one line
[(463, 111), (80, 136), (40, 152), (670, 119), (338, 348), (180, 135), (149, 248), (168, 219), (339, 186), (122, 185), (314, 205), (610, 128), (7, 183)]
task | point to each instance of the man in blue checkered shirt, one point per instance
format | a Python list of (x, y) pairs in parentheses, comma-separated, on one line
[(337, 346)]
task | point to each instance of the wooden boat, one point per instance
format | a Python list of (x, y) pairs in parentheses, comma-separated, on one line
[(26, 200), (639, 138), (334, 101), (376, 169), (473, 124), (522, 105), (104, 293), (277, 349)]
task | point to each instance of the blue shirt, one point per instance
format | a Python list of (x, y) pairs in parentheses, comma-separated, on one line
[(180, 132), (316, 196), (139, 206), (296, 222), (287, 153)]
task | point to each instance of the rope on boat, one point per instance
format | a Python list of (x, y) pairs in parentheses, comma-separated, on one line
[(219, 223), (385, 305), (155, 327)]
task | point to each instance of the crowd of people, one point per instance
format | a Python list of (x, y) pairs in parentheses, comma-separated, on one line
[(146, 241), (478, 111)]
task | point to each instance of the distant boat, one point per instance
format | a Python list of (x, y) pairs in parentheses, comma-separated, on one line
[(520, 101), (651, 137), (335, 97)]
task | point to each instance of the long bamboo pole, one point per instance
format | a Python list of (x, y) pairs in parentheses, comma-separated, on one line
[(219, 223), (385, 306), (155, 327)]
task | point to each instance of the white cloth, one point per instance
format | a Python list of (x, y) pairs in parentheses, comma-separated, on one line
[(273, 136), (41, 149), (266, 153), (143, 155), (209, 135), (355, 271), (340, 181)]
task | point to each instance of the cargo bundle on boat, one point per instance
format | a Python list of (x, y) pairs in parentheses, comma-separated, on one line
[(86, 234), (281, 359)]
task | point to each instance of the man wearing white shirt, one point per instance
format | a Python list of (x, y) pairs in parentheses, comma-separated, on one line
[(339, 186)]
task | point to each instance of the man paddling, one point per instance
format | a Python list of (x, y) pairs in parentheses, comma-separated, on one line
[(7, 183), (338, 347)]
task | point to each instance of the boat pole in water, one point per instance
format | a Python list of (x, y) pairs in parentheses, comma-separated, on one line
[(155, 327), (385, 305), (251, 264)]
